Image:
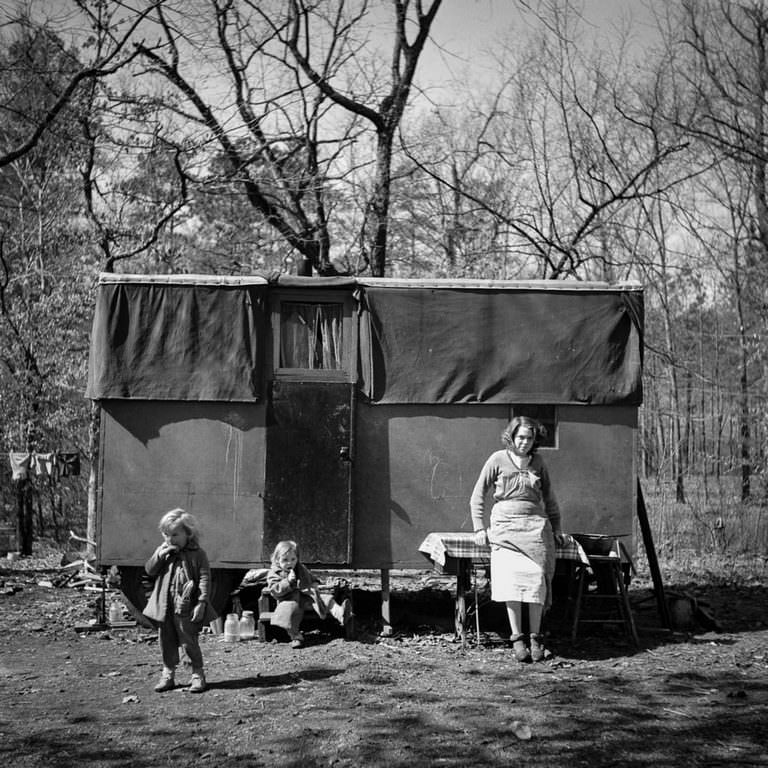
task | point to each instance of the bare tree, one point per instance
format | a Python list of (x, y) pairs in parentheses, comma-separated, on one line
[(719, 223), (42, 309), (109, 54), (385, 117), (718, 60), (301, 95), (567, 149)]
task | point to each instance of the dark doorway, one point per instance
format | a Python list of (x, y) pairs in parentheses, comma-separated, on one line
[(308, 470)]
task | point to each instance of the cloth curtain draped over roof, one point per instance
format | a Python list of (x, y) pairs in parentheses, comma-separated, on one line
[(178, 341), (193, 338), (506, 346)]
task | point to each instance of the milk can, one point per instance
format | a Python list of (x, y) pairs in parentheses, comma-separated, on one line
[(247, 626), (232, 628), (115, 613)]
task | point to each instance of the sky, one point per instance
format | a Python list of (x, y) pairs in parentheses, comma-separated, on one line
[(464, 31), (467, 31)]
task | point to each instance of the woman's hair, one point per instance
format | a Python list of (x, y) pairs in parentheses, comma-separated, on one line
[(171, 519), (281, 548), (539, 431)]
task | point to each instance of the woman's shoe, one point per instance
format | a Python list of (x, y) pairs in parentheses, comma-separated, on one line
[(520, 649), (537, 647)]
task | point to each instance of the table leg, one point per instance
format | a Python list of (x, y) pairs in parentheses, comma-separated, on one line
[(462, 587), (386, 617), (477, 609), (580, 586), (626, 608)]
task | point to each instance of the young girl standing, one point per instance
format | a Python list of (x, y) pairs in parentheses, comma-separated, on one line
[(178, 605), (295, 588)]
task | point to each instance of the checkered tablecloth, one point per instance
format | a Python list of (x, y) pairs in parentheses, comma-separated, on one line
[(440, 545)]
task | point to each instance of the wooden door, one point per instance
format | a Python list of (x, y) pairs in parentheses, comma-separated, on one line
[(308, 477), (308, 470)]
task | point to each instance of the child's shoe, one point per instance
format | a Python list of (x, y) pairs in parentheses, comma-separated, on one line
[(537, 647), (519, 647), (197, 682), (297, 641), (166, 681)]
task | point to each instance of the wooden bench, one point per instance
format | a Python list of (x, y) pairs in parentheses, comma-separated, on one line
[(267, 605)]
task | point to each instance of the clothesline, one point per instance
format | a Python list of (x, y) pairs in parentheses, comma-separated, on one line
[(54, 464)]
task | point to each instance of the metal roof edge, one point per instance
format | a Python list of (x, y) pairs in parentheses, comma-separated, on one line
[(111, 278), (510, 285)]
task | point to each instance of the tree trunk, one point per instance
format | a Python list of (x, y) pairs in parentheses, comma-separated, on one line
[(746, 463), (24, 525), (380, 204), (744, 427)]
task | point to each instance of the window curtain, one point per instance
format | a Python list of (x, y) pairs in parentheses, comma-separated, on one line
[(311, 336)]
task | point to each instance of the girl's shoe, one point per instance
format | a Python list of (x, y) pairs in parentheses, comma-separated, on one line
[(166, 682), (518, 646), (537, 647), (297, 641), (197, 682)]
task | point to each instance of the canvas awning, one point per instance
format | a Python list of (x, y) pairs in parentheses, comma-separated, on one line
[(178, 338), (542, 342), (499, 345)]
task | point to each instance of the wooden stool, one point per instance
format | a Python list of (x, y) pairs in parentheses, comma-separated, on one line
[(611, 565)]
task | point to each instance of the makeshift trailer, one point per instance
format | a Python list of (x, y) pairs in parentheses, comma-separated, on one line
[(352, 415)]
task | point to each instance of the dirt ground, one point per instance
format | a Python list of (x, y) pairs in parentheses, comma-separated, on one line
[(418, 698)]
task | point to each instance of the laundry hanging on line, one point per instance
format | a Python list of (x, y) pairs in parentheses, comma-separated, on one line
[(53, 464), (20, 464)]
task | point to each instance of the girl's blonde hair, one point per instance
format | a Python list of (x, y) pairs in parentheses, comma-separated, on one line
[(171, 519), (281, 548)]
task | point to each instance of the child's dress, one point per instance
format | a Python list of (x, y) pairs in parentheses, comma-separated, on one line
[(294, 598)]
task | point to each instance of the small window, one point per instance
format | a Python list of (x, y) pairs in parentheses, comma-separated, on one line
[(546, 415), (311, 336)]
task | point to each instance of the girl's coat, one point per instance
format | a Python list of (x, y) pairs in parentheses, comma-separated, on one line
[(293, 599), (190, 584)]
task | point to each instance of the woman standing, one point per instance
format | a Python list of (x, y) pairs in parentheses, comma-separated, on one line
[(525, 520)]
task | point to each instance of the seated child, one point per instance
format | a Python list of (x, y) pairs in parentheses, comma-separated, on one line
[(294, 587)]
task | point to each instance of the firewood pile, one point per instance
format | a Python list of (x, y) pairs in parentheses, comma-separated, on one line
[(74, 568)]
